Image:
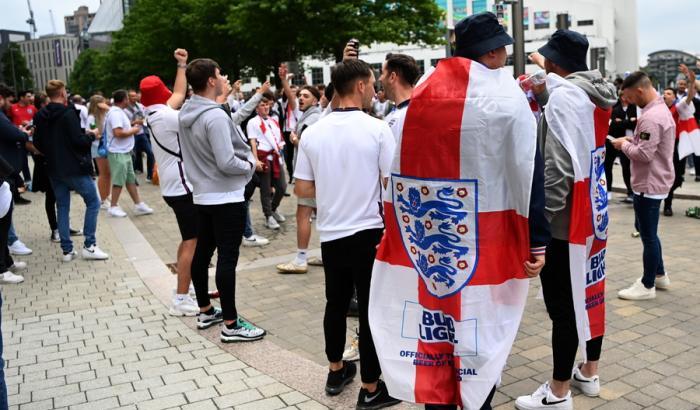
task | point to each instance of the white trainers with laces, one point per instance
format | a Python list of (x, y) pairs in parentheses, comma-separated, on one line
[(105, 205), (278, 216), (589, 386), (662, 282), (9, 277), (67, 257), (543, 398), (94, 253), (183, 306), (292, 267), (19, 248), (18, 265), (637, 292), (116, 212), (352, 353), (255, 240), (142, 209), (271, 223)]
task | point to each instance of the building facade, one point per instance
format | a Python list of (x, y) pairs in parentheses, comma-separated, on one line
[(7, 37), (79, 21), (610, 26), (50, 57), (663, 65)]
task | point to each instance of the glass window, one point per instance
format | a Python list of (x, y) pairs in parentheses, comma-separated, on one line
[(542, 19), (585, 23), (434, 62), (317, 75), (526, 18), (478, 6)]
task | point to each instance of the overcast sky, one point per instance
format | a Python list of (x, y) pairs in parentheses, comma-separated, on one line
[(665, 24)]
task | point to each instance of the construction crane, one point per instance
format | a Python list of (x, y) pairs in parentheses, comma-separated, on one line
[(53, 23), (30, 21)]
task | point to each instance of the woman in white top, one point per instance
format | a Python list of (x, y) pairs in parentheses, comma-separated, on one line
[(96, 120)]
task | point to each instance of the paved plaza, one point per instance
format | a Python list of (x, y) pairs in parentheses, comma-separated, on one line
[(97, 335)]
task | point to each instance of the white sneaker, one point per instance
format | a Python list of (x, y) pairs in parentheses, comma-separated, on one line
[(19, 248), (637, 292), (589, 386), (255, 240), (67, 257), (18, 266), (94, 253), (662, 282), (352, 353), (278, 216), (142, 209), (184, 307), (9, 277), (55, 237), (116, 212), (272, 223), (105, 205), (543, 398), (292, 267)]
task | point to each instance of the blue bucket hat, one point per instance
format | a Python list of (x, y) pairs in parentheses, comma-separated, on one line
[(567, 49), (478, 34)]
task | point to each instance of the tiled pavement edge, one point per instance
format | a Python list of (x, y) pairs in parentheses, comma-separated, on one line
[(91, 335)]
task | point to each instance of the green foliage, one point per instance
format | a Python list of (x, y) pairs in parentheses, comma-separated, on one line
[(14, 59), (252, 34), (85, 78)]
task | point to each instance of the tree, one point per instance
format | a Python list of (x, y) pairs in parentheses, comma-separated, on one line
[(274, 31), (15, 70), (86, 74)]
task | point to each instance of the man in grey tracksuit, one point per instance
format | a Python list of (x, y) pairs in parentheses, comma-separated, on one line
[(219, 165), (564, 55)]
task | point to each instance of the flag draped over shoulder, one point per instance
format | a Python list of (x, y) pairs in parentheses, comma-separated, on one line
[(688, 132), (448, 286), (581, 127)]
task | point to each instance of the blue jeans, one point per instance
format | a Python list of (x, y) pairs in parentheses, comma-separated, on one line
[(3, 387), (647, 213), (12, 235), (84, 186), (248, 231), (143, 144)]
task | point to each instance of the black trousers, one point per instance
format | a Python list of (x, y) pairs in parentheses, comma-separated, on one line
[(50, 207), (347, 263), (558, 298), (610, 154), (5, 257), (220, 228), (485, 406), (288, 153), (679, 168), (266, 181)]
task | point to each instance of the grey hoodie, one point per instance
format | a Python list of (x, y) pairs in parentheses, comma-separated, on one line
[(558, 168), (217, 156)]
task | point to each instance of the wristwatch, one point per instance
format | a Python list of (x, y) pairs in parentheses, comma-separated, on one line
[(181, 65)]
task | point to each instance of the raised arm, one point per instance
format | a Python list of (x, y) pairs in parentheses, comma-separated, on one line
[(291, 98), (180, 88), (692, 90)]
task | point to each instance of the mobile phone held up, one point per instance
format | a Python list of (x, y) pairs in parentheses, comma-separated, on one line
[(356, 44)]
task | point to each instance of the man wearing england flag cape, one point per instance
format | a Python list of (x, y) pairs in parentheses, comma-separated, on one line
[(465, 228), (571, 135)]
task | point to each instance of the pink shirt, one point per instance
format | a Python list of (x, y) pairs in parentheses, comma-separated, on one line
[(651, 150)]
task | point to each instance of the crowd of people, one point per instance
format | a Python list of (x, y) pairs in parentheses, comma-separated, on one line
[(355, 149)]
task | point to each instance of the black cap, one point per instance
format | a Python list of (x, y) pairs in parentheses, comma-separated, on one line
[(567, 49), (478, 34)]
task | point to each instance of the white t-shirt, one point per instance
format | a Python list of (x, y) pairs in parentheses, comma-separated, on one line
[(396, 118), (116, 118), (84, 123), (268, 140), (5, 198), (685, 110), (346, 154), (291, 116), (163, 121)]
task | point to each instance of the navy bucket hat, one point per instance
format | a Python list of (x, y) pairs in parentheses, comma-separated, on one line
[(478, 34)]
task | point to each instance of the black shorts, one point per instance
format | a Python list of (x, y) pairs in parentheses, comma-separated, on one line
[(185, 213)]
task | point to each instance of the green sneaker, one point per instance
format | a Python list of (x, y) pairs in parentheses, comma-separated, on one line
[(241, 331)]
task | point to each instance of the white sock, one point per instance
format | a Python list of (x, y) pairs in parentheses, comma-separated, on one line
[(181, 298), (301, 257)]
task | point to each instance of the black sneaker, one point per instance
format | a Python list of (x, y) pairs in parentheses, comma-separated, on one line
[(209, 319), (668, 212), (22, 201), (377, 400), (338, 379)]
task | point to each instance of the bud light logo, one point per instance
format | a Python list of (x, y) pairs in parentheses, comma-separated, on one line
[(596, 268), (437, 327)]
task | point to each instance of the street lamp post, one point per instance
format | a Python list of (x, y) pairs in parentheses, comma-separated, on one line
[(518, 12)]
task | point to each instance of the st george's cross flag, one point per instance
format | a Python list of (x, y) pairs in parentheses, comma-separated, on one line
[(448, 286), (581, 127), (687, 130)]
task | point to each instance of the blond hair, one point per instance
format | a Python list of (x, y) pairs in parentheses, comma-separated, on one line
[(54, 87), (97, 112)]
